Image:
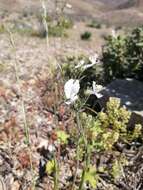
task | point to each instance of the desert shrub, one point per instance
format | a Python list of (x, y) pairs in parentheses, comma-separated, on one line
[(134, 52), (123, 56), (94, 24), (86, 35), (23, 29), (114, 58), (58, 29), (65, 22)]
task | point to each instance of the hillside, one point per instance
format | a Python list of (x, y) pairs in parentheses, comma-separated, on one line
[(108, 11)]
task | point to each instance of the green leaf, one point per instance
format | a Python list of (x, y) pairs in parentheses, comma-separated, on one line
[(91, 176), (62, 136), (117, 169), (50, 166), (140, 44)]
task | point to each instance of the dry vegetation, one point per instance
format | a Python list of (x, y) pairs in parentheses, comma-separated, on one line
[(45, 143)]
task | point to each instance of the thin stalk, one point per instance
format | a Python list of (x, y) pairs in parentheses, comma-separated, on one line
[(82, 179), (81, 129), (44, 20), (26, 127), (16, 63), (87, 163), (56, 174), (87, 154), (77, 152)]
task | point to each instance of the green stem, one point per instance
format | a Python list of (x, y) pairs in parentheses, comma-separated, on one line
[(56, 174), (77, 163), (82, 179), (87, 163)]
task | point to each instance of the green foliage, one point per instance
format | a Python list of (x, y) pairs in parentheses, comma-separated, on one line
[(123, 56), (24, 30), (95, 24), (91, 177), (70, 70), (50, 167), (62, 136), (65, 23), (101, 134), (86, 35), (56, 31), (115, 64), (134, 52), (56, 27), (70, 67), (108, 127), (59, 28), (117, 169)]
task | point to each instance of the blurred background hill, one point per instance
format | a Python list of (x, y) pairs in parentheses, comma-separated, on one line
[(128, 12)]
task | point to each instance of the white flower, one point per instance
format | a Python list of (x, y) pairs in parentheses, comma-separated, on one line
[(96, 89), (93, 59), (51, 148), (71, 90), (114, 34), (81, 63), (68, 5)]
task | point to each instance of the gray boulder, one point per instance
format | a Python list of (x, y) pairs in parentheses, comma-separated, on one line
[(130, 91)]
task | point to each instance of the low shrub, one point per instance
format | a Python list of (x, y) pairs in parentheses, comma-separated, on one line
[(123, 56), (59, 28), (86, 35), (101, 137), (94, 24), (56, 31), (66, 23)]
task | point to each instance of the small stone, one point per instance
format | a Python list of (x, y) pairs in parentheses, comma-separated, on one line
[(15, 185)]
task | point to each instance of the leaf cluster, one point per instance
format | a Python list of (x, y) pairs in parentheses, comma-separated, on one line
[(123, 56), (102, 135)]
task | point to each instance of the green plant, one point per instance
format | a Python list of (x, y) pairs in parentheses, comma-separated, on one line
[(62, 136), (53, 168), (94, 24), (59, 29), (114, 58), (65, 23), (71, 69), (134, 54), (100, 136), (56, 31), (86, 35), (123, 56)]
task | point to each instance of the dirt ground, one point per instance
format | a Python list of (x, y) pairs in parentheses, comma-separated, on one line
[(32, 58)]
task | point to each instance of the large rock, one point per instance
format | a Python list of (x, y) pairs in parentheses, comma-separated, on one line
[(130, 92)]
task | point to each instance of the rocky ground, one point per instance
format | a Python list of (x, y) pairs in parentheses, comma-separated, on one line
[(31, 60)]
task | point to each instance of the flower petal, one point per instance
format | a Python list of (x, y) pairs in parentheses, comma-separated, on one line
[(81, 63), (71, 90)]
